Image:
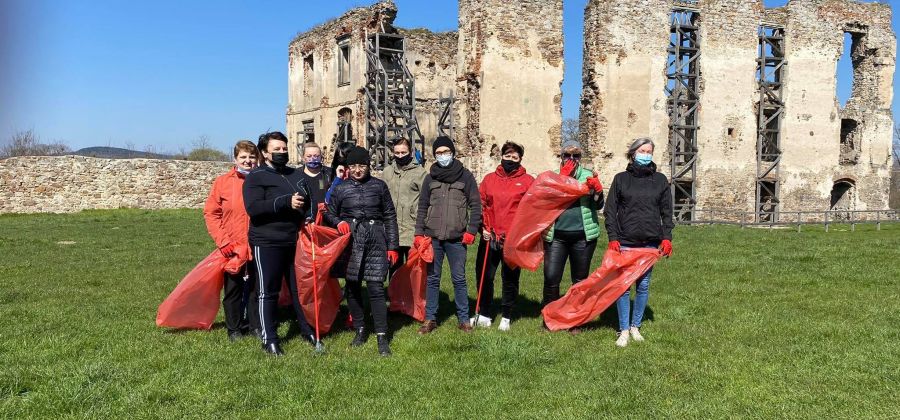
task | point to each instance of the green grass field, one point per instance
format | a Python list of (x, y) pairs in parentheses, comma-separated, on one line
[(749, 323)]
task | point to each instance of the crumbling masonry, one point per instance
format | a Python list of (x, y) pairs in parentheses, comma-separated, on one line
[(739, 99)]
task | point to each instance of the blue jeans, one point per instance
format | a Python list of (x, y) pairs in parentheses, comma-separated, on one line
[(623, 305), (456, 255)]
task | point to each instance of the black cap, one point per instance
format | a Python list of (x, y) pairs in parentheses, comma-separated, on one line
[(443, 141), (357, 156)]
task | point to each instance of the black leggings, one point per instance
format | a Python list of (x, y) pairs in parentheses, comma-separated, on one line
[(509, 276), (566, 245), (272, 266), (353, 290)]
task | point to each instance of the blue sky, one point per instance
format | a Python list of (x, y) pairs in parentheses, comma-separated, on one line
[(162, 73)]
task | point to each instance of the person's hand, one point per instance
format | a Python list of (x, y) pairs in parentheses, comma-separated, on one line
[(594, 184), (568, 168), (486, 234), (393, 257), (468, 238), (297, 201), (308, 228), (343, 228), (614, 246), (666, 247), (227, 250)]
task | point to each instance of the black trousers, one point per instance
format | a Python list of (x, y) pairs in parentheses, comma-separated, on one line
[(509, 276), (571, 246), (273, 264), (353, 291), (239, 300)]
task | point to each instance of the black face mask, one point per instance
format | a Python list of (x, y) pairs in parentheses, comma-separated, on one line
[(403, 161), (509, 165), (279, 159)]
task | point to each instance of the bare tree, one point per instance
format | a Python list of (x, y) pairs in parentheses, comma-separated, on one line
[(204, 150), (26, 143)]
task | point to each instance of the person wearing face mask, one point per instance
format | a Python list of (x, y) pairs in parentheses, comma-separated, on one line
[(318, 177), (638, 214), (362, 207), (339, 166), (227, 223), (404, 178), (501, 191), (276, 198), (573, 236), (449, 216)]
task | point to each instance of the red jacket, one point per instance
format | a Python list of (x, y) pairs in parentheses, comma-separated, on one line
[(226, 218), (500, 197)]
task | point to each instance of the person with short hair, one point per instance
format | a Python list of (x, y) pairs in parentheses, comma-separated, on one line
[(501, 191), (318, 176), (449, 216), (227, 223), (362, 207), (638, 214), (276, 198), (404, 178)]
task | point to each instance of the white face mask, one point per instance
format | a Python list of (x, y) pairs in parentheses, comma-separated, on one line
[(444, 160)]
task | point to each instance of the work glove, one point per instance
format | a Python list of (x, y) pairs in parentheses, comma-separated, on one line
[(468, 238), (666, 247), (227, 250), (568, 168), (594, 184), (393, 257), (614, 246), (343, 228)]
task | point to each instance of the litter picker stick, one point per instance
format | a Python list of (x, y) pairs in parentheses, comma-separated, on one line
[(312, 241), (487, 250)]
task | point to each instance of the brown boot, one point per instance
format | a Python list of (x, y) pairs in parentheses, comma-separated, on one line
[(465, 327), (427, 327)]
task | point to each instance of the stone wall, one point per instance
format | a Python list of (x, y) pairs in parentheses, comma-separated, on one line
[(61, 184)]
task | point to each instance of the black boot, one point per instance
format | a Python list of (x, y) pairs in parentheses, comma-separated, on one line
[(361, 337), (273, 349), (235, 336), (384, 348)]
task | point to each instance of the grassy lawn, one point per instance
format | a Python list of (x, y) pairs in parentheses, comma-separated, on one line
[(749, 322)]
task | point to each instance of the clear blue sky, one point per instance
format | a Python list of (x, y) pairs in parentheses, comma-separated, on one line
[(163, 73)]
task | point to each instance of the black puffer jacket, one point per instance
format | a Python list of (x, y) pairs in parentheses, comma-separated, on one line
[(367, 206), (638, 211)]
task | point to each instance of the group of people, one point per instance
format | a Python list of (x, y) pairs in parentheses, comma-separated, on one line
[(262, 204)]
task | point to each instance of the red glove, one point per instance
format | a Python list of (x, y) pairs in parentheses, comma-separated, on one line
[(666, 247), (227, 250), (393, 257), (568, 167), (343, 228), (594, 184), (614, 246), (468, 238)]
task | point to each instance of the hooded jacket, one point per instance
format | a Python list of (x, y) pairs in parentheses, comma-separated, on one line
[(267, 198), (447, 210), (638, 211), (500, 197), (406, 185), (225, 215)]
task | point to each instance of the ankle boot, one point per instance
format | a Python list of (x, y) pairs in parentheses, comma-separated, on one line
[(361, 337), (384, 348)]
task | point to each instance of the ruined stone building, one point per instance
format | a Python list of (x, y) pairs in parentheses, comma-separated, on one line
[(739, 99)]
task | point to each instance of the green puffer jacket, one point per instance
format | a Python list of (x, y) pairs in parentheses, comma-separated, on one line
[(589, 208), (405, 184)]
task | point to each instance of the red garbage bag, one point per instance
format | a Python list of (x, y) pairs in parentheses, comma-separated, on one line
[(590, 297), (545, 200), (195, 301), (328, 245), (407, 288)]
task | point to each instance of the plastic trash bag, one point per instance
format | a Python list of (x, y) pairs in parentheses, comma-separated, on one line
[(407, 288), (545, 200), (590, 297), (195, 301), (328, 244)]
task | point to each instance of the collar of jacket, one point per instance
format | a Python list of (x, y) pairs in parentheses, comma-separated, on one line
[(398, 169), (362, 181), (641, 171), (284, 171), (515, 174)]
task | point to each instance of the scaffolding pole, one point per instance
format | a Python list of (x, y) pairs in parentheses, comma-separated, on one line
[(770, 112), (683, 100)]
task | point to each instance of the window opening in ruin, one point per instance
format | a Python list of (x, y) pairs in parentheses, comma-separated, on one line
[(344, 126), (683, 76), (309, 132), (845, 70), (770, 111), (849, 142), (843, 199), (344, 62), (307, 74)]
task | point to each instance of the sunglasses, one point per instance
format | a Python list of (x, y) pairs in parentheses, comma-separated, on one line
[(571, 155)]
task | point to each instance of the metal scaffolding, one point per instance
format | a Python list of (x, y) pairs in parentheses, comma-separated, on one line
[(390, 97), (769, 72), (683, 74), (445, 122)]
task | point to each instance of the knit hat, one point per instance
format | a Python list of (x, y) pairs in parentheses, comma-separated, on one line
[(569, 143), (443, 141), (357, 156)]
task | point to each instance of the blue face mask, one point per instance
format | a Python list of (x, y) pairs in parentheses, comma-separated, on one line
[(243, 171), (444, 160), (643, 159), (314, 163)]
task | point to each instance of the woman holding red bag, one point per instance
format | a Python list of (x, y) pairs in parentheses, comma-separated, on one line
[(638, 215)]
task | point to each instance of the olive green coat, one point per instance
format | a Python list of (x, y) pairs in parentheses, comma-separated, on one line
[(405, 184)]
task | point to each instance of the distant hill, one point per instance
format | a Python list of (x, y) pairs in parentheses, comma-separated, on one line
[(118, 153)]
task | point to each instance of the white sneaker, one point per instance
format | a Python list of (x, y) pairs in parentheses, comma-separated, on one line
[(504, 324), (636, 334), (622, 341), (481, 321)]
